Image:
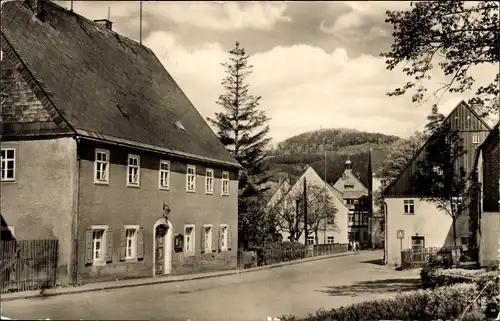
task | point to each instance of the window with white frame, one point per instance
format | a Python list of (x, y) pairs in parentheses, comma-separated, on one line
[(133, 170), (209, 181), (310, 240), (131, 241), (224, 237), (191, 178), (409, 206), (351, 218), (98, 243), (8, 163), (164, 175), (101, 166), (208, 234), (189, 239), (330, 239), (456, 204), (225, 183), (475, 138)]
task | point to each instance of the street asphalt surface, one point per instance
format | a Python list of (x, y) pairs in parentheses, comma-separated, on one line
[(296, 289)]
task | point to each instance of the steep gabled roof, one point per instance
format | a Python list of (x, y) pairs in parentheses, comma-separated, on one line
[(424, 145), (107, 87)]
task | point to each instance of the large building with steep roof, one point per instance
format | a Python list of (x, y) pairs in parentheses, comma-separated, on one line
[(102, 150), (416, 223)]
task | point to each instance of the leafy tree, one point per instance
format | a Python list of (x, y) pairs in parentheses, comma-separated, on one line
[(440, 177), (289, 212), (400, 154), (321, 211), (241, 126), (243, 130), (455, 35)]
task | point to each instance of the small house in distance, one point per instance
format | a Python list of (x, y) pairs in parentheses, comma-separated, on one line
[(355, 196), (103, 151), (288, 198)]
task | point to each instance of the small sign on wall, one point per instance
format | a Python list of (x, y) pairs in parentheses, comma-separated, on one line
[(401, 234), (178, 243)]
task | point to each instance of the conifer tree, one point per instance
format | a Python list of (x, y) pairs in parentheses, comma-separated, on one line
[(434, 121), (242, 127)]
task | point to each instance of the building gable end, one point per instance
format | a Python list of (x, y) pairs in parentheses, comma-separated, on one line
[(27, 110)]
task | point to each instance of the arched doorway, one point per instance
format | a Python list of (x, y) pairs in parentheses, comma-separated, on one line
[(162, 242)]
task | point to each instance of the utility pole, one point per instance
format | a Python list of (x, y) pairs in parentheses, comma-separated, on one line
[(325, 222), (140, 22), (305, 211)]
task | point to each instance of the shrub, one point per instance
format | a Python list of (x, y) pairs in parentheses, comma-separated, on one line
[(445, 303), (282, 251)]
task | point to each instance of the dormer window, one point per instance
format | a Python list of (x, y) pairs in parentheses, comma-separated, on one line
[(348, 186), (475, 139), (179, 125)]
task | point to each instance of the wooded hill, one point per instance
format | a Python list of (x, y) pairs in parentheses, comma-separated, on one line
[(292, 155)]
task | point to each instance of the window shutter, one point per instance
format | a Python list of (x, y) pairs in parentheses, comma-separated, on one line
[(202, 239), (219, 237), (88, 246), (214, 240), (123, 244), (140, 243), (229, 238), (109, 250)]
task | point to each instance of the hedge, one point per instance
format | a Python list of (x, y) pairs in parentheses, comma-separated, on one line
[(433, 278), (445, 303), (282, 251)]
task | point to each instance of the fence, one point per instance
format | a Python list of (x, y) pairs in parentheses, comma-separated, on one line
[(248, 259), (421, 257), (326, 249), (28, 265)]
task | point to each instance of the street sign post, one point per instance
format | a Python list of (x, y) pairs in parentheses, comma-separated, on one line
[(401, 236)]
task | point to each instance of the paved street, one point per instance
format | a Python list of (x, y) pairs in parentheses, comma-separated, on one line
[(296, 289)]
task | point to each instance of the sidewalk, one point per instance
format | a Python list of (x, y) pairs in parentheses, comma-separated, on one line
[(100, 286)]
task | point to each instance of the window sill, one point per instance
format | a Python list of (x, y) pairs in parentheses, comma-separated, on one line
[(131, 260), (191, 191), (209, 193), (408, 213), (8, 181), (163, 188), (99, 263), (133, 186), (225, 194), (101, 183)]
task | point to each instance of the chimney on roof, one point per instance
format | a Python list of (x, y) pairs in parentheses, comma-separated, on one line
[(104, 23)]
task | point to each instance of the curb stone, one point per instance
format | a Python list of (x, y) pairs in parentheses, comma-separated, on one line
[(93, 287)]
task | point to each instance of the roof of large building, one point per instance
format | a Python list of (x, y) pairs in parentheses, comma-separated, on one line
[(106, 86)]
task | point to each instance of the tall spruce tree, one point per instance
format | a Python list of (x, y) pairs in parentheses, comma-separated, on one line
[(243, 128)]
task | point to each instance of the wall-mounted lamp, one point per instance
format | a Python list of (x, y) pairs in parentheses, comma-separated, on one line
[(166, 210)]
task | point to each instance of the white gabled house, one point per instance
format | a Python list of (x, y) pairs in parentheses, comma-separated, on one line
[(414, 223), (287, 192)]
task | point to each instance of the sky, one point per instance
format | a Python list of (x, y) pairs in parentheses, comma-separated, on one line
[(316, 64)]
